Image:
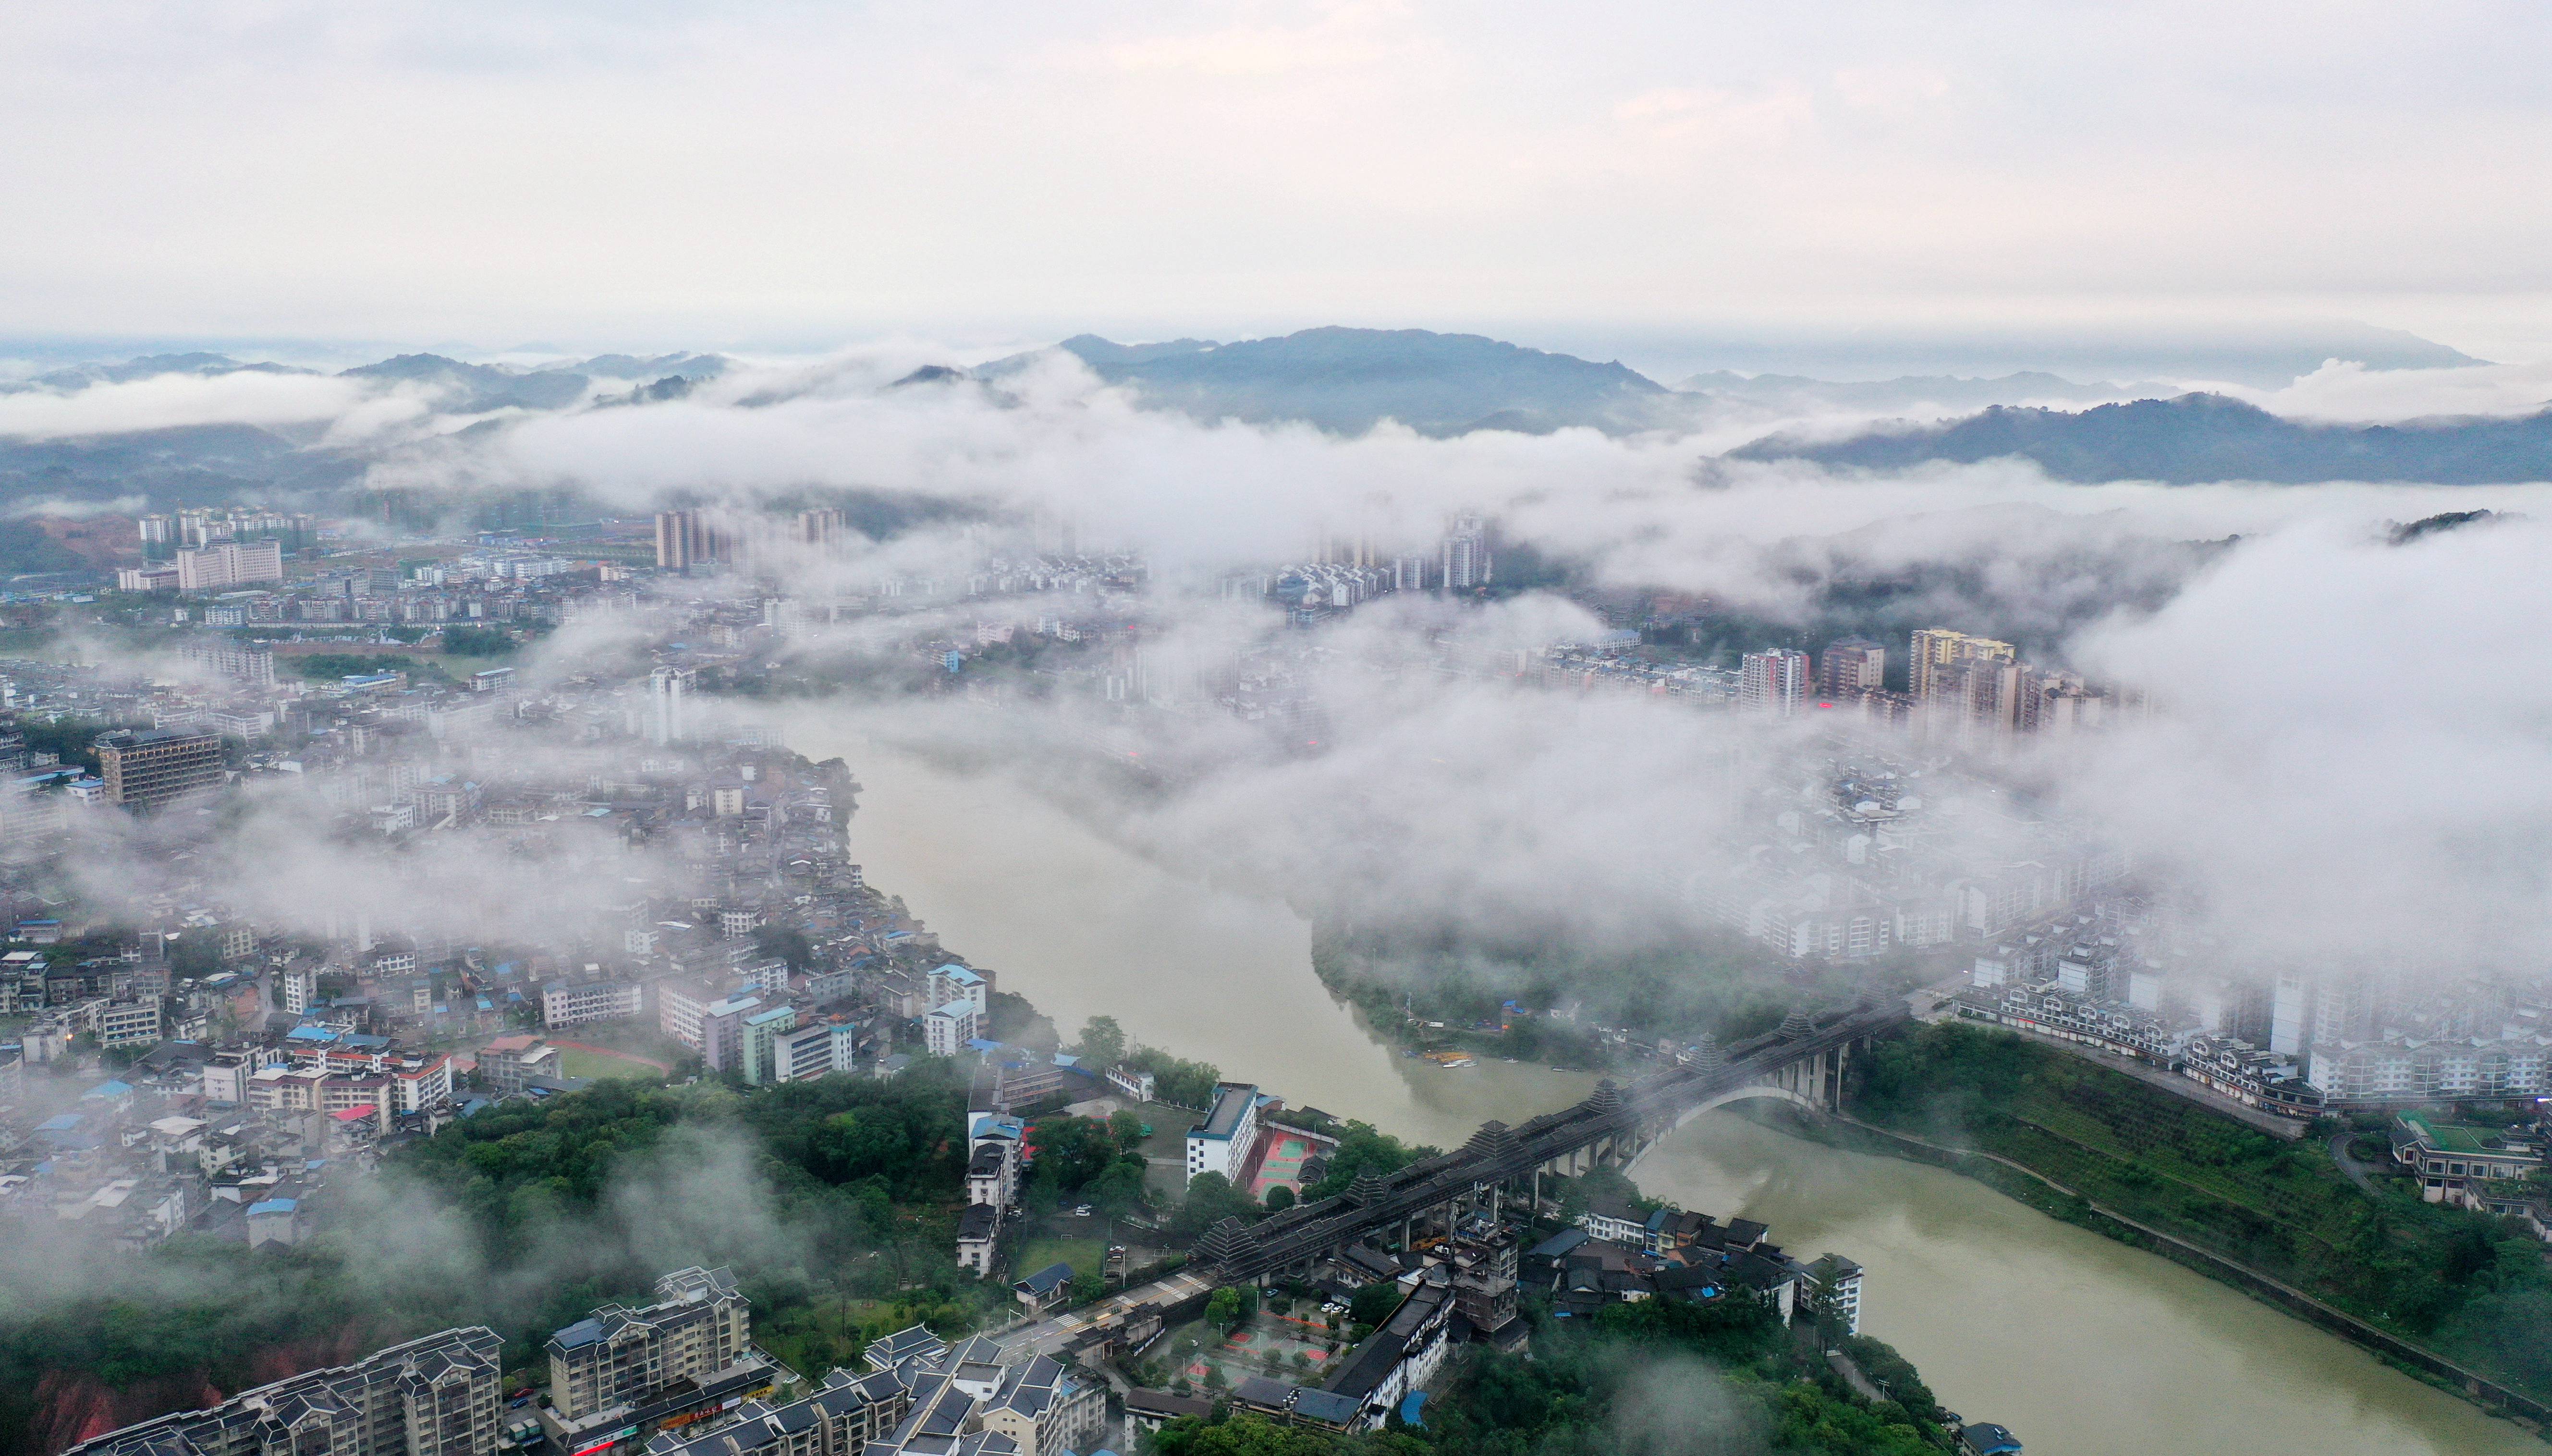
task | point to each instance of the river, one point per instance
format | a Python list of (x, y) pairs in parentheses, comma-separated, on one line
[(2083, 1346)]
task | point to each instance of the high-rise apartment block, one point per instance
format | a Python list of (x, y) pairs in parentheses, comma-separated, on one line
[(819, 527), (251, 665), (669, 692), (1937, 649), (1773, 683), (1850, 668), (699, 1327), (229, 564), (435, 1397), (150, 769), (685, 539), (1464, 554)]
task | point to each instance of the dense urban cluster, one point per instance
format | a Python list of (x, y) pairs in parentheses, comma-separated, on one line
[(499, 875)]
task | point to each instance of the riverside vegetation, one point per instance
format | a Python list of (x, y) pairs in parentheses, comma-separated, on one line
[(2470, 1287)]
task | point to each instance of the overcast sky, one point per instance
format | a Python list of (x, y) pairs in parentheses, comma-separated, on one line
[(637, 173)]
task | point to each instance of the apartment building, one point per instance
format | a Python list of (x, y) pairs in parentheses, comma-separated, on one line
[(977, 1399), (590, 1000), (699, 1327), (510, 1064), (1223, 1141), (152, 768), (438, 1396), (947, 1029), (229, 564), (814, 1050), (133, 1021), (840, 1419)]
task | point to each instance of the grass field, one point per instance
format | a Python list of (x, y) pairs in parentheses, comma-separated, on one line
[(1084, 1255), (590, 1066)]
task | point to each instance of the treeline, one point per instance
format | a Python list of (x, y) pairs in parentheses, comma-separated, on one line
[(1181, 1084), (1680, 985), (1725, 1379), (2470, 1287)]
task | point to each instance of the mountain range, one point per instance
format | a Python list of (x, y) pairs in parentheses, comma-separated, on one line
[(1349, 380), (2195, 438), (1353, 379)]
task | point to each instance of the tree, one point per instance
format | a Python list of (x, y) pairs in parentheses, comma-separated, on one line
[(1103, 1042), (1279, 1198), (1074, 1149), (1129, 1129), (1365, 1148), (1014, 1019), (1119, 1190), (197, 952), (1211, 1199), (786, 943), (1374, 1303), (477, 642), (1180, 1083)]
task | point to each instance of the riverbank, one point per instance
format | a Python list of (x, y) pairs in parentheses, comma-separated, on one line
[(2032, 1188), (2453, 1297), (2085, 1344)]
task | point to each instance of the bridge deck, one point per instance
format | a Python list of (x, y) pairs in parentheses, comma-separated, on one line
[(1310, 1229)]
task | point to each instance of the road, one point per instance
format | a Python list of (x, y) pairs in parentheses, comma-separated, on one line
[(2356, 1171)]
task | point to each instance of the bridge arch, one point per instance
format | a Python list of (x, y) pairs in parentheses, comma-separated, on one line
[(1749, 1092)]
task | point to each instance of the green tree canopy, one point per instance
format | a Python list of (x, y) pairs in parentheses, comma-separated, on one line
[(1103, 1042)]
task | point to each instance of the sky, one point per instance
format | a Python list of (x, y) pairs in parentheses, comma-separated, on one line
[(799, 175)]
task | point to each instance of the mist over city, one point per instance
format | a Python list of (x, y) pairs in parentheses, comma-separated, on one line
[(1335, 729)]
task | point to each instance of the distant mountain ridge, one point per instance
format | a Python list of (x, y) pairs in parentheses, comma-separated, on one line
[(151, 366), (1351, 379), (1801, 394), (2192, 439)]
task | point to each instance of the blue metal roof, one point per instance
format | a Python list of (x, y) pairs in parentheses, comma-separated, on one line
[(1557, 1244), (272, 1205), (1047, 1280)]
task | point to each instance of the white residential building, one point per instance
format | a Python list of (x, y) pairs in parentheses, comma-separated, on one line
[(1222, 1142), (947, 1029), (803, 1053), (591, 1000)]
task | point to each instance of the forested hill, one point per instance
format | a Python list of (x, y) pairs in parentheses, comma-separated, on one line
[(2196, 438), (1351, 379)]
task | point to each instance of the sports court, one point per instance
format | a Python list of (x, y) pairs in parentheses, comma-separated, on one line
[(1281, 1154)]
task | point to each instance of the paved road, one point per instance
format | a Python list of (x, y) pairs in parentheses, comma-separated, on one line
[(1853, 1376), (2356, 1171)]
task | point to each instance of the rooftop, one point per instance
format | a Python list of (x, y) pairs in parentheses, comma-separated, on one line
[(1231, 1101)]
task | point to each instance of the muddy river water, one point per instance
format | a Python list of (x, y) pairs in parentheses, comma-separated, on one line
[(2083, 1346)]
